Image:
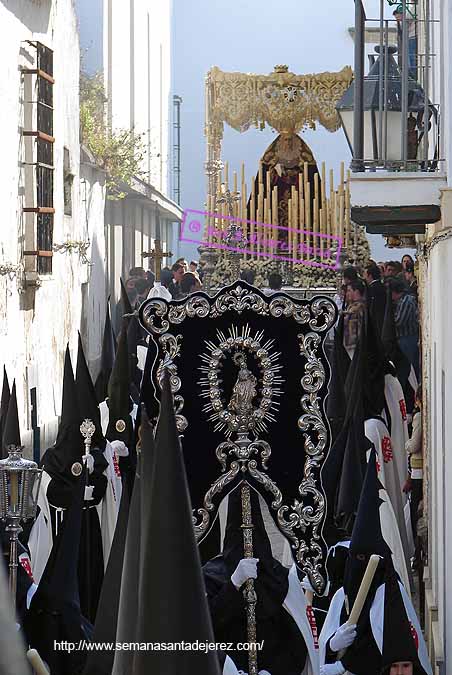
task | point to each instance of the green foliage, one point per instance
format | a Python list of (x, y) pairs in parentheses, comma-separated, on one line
[(120, 152)]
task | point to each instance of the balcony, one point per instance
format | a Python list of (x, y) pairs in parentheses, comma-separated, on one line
[(391, 123)]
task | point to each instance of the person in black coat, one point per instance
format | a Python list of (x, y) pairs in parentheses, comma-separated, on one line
[(284, 650), (376, 296)]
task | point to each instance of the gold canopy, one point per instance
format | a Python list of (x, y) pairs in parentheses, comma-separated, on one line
[(285, 101)]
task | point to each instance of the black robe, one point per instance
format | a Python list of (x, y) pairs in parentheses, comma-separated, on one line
[(284, 650)]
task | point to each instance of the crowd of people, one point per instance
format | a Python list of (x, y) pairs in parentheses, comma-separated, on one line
[(107, 562), (390, 292), (180, 279)]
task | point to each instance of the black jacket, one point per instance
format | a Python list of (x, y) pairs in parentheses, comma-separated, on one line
[(376, 301)]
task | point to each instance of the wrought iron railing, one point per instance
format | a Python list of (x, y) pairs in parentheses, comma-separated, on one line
[(388, 114)]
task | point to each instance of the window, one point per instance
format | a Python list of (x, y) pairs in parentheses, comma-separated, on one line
[(40, 212)]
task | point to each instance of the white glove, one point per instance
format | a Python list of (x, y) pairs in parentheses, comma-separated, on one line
[(89, 461), (332, 669), (120, 448), (246, 569), (343, 637), (89, 492)]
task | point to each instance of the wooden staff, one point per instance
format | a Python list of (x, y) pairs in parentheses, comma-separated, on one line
[(302, 227), (260, 209), (347, 211), (249, 593), (307, 201), (341, 217), (235, 207), (331, 230), (289, 227), (316, 201), (322, 230), (252, 215), (264, 226), (323, 195), (362, 595), (243, 212), (36, 662), (295, 222), (335, 219), (275, 219)]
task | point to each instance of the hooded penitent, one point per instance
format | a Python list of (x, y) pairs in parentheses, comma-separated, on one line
[(107, 358), (284, 649), (390, 343), (130, 586), (11, 428), (119, 402), (100, 662), (362, 658), (86, 397), (344, 469), (170, 571), (25, 582), (91, 567), (394, 619), (336, 404), (54, 613), (4, 403), (63, 461), (13, 660)]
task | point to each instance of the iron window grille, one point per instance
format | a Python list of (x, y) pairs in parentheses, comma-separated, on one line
[(42, 210)]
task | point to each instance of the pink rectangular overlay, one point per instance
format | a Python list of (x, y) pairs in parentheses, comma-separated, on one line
[(193, 231)]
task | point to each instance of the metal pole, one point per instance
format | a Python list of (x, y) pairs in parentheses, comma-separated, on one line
[(405, 71), (383, 58), (177, 102), (87, 430), (13, 528), (249, 593), (385, 94), (358, 127), (426, 81)]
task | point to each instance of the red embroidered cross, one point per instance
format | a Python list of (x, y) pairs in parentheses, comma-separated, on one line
[(25, 562), (402, 406), (313, 624), (386, 449), (116, 465), (415, 636)]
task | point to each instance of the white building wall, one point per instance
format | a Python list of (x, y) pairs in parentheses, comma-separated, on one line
[(438, 462), (36, 325), (437, 339), (137, 69)]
